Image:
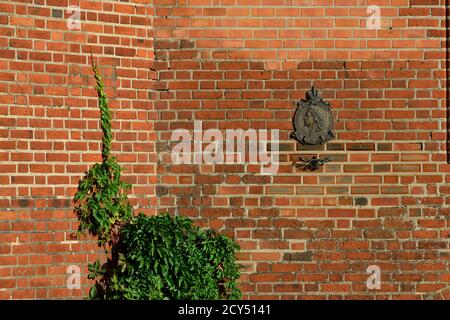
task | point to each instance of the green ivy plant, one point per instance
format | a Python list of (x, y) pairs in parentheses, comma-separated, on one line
[(165, 257), (158, 257), (102, 203)]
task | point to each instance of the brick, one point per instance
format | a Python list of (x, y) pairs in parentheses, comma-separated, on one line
[(298, 256), (360, 146), (357, 168), (335, 146), (361, 201)]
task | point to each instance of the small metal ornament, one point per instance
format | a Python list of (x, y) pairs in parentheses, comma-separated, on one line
[(313, 120), (312, 164)]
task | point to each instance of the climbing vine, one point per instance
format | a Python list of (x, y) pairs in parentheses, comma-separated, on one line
[(101, 201), (159, 257)]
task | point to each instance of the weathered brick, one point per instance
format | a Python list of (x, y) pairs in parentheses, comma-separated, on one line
[(298, 256)]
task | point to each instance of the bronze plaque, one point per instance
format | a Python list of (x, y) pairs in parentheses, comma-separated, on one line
[(313, 120)]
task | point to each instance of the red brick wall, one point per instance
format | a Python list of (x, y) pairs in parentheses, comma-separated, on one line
[(383, 200), (50, 131)]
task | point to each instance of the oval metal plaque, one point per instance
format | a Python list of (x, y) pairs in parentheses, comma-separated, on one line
[(313, 120)]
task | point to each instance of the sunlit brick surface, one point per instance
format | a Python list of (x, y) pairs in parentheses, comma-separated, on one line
[(383, 200)]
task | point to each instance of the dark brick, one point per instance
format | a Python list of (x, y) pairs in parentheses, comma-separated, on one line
[(166, 44), (309, 147), (298, 256), (335, 146), (161, 191), (162, 146), (310, 190), (381, 168), (187, 44), (360, 146), (57, 13), (252, 179), (337, 190), (384, 146), (328, 65), (357, 168), (282, 147), (286, 146), (326, 180), (23, 203), (332, 168), (362, 201)]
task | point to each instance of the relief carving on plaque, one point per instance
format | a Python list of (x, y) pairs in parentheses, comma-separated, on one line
[(313, 120)]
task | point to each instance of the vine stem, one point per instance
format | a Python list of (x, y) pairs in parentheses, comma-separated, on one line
[(105, 114)]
